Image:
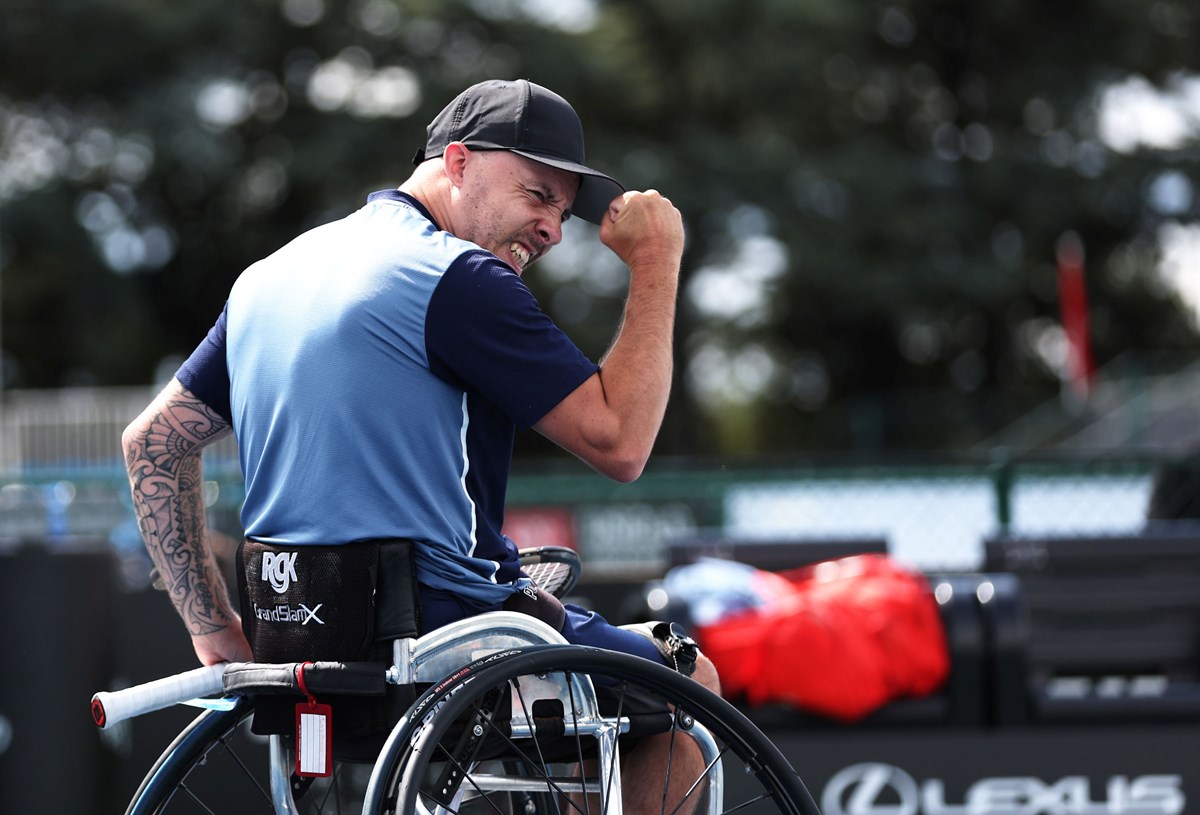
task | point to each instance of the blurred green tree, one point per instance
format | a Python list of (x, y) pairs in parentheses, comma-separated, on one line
[(874, 191)]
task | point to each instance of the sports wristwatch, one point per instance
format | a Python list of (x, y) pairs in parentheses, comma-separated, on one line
[(676, 646)]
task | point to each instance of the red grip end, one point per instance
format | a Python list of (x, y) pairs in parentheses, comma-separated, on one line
[(98, 714)]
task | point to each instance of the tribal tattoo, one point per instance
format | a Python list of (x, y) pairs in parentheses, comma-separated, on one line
[(162, 453)]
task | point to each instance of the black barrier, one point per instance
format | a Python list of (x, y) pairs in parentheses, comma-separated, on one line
[(976, 748), (1036, 771), (1101, 629), (771, 555), (152, 643), (69, 629), (56, 637)]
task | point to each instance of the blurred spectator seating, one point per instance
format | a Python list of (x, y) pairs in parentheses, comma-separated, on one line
[(770, 555), (1095, 629)]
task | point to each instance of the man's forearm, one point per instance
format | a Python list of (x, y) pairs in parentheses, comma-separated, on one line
[(637, 369), (611, 420), (163, 456)]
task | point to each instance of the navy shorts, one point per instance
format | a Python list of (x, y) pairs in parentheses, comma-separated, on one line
[(581, 627)]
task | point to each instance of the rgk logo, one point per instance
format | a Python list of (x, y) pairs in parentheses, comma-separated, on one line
[(280, 569)]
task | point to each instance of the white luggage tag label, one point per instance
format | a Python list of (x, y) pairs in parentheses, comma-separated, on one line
[(314, 734)]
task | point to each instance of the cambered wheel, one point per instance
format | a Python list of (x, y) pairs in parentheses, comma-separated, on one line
[(442, 756)]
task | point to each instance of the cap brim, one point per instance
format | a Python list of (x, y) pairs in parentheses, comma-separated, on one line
[(596, 190)]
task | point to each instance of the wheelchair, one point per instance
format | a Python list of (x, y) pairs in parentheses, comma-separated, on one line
[(505, 717)]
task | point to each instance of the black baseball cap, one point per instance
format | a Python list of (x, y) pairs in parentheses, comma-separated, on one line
[(528, 120)]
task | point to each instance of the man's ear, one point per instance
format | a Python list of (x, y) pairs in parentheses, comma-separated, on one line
[(454, 162)]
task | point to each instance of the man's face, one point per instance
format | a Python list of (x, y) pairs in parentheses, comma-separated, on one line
[(514, 207)]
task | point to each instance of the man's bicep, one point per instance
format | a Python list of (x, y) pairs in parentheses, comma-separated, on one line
[(486, 333), (583, 424), (175, 423)]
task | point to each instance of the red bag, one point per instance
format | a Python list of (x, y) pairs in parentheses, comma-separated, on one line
[(841, 638)]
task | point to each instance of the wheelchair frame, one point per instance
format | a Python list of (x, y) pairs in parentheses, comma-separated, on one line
[(489, 650)]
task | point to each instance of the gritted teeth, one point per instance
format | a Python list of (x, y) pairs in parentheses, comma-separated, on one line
[(519, 253)]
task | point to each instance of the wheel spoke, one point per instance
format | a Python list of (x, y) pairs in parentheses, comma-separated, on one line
[(516, 684), (245, 769), (699, 780), (196, 798), (612, 764), (587, 805), (670, 761), (469, 779), (765, 796), (538, 767)]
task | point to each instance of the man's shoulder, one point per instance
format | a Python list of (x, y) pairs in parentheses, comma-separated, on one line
[(422, 235)]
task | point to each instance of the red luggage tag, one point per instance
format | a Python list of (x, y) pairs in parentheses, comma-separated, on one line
[(314, 734)]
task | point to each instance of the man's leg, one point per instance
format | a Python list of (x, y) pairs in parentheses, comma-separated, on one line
[(644, 771)]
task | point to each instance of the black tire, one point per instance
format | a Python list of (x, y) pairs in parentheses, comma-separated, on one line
[(216, 765), (400, 778)]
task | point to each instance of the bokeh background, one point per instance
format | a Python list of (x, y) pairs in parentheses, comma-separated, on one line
[(942, 278), (875, 193)]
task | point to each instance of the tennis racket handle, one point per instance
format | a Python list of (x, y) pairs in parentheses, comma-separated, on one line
[(110, 707)]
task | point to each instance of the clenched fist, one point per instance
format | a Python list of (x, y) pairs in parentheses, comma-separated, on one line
[(644, 228)]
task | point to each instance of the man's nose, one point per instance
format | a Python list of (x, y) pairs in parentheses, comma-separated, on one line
[(550, 231)]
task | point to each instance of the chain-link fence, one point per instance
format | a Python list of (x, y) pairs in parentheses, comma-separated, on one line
[(65, 481), (932, 517)]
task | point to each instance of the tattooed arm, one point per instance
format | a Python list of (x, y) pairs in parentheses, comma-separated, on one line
[(162, 454)]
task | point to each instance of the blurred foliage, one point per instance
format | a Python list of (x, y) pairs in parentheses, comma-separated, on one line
[(873, 191)]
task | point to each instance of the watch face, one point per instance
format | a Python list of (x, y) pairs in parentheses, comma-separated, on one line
[(678, 633)]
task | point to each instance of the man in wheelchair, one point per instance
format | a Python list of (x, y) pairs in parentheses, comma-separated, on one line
[(374, 370)]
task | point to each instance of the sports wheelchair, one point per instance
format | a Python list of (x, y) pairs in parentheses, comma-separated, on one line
[(506, 718)]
